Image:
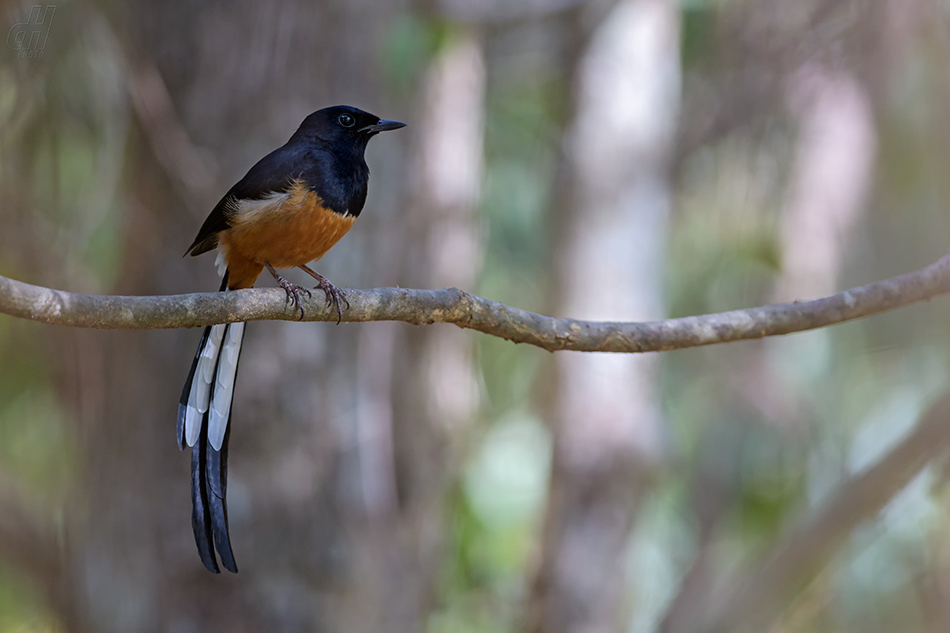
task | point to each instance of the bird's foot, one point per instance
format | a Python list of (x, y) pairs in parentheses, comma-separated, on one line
[(335, 296), (293, 292)]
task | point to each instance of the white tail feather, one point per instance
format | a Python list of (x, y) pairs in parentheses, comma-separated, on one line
[(200, 396), (224, 386)]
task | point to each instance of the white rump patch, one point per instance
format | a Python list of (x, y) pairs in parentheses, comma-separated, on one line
[(220, 262)]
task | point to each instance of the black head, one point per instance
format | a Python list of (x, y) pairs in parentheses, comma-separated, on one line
[(343, 126)]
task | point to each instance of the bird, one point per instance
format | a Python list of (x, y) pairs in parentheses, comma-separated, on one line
[(289, 209)]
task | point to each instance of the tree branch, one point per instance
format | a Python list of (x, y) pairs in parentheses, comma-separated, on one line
[(450, 305), (758, 600)]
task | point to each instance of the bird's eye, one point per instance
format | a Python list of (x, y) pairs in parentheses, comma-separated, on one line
[(346, 120)]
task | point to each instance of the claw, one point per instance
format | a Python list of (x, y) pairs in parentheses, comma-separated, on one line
[(293, 293), (293, 290), (335, 296)]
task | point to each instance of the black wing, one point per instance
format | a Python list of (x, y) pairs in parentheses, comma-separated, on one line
[(273, 173)]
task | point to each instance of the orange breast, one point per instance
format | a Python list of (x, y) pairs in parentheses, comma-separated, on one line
[(285, 230)]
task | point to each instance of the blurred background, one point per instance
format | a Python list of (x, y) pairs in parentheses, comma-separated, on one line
[(622, 159)]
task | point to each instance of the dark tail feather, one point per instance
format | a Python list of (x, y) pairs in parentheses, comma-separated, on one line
[(200, 511), (209, 474), (217, 474)]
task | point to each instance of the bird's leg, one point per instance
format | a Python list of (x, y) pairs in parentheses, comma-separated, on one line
[(293, 290), (334, 294)]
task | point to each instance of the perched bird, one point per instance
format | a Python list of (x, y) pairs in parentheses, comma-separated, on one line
[(288, 210)]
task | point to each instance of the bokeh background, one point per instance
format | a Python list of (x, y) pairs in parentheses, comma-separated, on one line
[(622, 159)]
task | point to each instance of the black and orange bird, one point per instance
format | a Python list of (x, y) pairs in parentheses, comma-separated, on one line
[(287, 211)]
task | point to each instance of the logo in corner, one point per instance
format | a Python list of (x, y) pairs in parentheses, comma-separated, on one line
[(28, 38)]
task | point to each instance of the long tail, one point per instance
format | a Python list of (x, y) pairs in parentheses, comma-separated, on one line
[(204, 423)]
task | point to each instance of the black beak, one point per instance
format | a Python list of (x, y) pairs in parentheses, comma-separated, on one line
[(382, 126)]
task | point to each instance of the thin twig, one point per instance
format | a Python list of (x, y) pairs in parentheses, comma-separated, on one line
[(450, 305)]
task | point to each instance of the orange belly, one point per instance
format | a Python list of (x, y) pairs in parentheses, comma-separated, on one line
[(284, 230)]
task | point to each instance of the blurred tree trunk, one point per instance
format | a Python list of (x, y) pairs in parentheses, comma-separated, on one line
[(413, 412), (829, 183), (610, 253)]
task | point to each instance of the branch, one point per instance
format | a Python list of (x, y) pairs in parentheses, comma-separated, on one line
[(758, 600), (450, 305)]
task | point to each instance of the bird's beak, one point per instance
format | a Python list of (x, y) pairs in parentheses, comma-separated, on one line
[(382, 126)]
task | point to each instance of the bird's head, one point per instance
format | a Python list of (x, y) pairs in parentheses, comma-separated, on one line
[(344, 126)]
